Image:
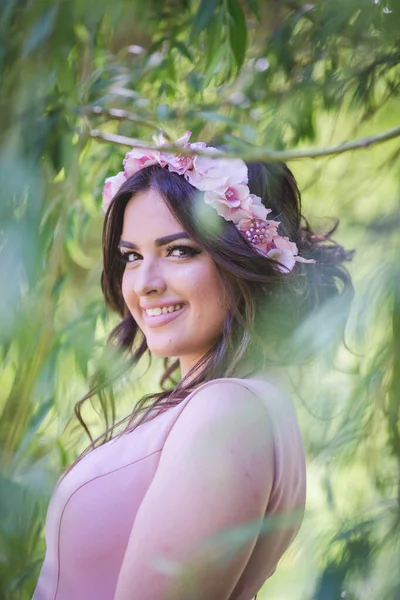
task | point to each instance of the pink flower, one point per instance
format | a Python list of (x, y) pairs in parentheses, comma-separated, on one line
[(229, 202), (257, 208), (261, 233), (235, 203), (177, 163), (137, 159), (304, 260), (224, 183), (159, 139), (210, 174), (270, 226), (286, 252), (283, 243), (284, 257), (111, 187), (184, 140), (197, 146)]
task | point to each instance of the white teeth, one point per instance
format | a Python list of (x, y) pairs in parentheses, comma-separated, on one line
[(155, 312)]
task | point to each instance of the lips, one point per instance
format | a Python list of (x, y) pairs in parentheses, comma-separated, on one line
[(160, 320), (153, 312)]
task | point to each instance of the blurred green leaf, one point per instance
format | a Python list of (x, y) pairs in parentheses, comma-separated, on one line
[(214, 41), (184, 50), (203, 17), (41, 30), (325, 72), (237, 31)]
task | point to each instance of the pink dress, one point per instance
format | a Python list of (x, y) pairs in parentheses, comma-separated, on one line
[(93, 508)]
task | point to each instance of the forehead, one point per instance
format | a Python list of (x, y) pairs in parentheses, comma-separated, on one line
[(148, 217)]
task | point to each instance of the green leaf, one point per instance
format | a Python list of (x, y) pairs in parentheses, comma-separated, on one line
[(214, 39), (195, 82), (171, 71), (202, 17), (237, 32), (253, 5), (40, 414), (41, 30), (217, 118), (184, 50), (155, 46)]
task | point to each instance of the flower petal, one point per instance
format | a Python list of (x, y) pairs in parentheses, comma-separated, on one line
[(284, 257), (210, 174), (111, 187), (304, 260), (183, 141), (283, 243), (139, 158)]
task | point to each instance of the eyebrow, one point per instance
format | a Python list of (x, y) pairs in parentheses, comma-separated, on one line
[(159, 241)]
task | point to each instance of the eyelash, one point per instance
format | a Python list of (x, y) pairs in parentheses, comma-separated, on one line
[(188, 252)]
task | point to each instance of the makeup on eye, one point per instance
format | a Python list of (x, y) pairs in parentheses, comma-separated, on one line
[(185, 252)]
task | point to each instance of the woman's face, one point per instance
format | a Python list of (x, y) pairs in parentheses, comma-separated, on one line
[(170, 285)]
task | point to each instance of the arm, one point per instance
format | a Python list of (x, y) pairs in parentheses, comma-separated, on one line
[(215, 472)]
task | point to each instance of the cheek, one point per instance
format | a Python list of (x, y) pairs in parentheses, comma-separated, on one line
[(210, 299)]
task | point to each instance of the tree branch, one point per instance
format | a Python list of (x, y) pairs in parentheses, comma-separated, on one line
[(124, 115), (258, 154)]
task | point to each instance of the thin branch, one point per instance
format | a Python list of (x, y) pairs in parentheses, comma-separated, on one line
[(124, 115), (258, 154)]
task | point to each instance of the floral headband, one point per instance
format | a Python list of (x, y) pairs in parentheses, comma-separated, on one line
[(224, 183)]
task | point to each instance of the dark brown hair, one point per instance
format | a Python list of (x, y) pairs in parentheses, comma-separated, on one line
[(265, 305)]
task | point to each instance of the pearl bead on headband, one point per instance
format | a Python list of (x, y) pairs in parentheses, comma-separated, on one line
[(224, 183)]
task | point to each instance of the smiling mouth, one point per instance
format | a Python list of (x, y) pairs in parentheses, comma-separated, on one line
[(155, 312), (162, 317)]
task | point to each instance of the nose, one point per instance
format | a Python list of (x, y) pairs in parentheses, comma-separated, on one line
[(148, 278)]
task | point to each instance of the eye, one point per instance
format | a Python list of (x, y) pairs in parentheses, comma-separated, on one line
[(127, 257), (182, 251)]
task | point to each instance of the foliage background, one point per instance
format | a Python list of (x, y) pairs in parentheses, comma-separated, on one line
[(273, 78)]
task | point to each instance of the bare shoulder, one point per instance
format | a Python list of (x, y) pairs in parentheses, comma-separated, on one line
[(226, 411), (215, 473)]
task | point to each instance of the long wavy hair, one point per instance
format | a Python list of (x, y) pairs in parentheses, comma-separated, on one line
[(264, 304)]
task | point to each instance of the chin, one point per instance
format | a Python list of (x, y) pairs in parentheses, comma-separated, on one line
[(170, 350), (163, 350)]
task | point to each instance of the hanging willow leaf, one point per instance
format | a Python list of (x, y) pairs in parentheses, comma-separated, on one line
[(61, 60), (203, 17), (214, 40), (237, 32), (183, 49), (41, 30)]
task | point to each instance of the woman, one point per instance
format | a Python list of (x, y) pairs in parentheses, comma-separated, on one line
[(203, 491)]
